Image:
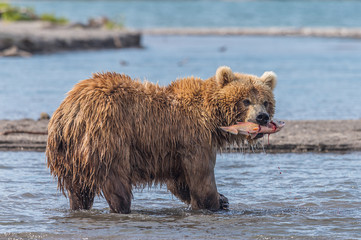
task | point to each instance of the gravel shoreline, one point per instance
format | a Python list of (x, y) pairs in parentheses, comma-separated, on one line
[(325, 32), (317, 136)]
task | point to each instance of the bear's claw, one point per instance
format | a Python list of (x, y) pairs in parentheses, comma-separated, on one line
[(223, 202)]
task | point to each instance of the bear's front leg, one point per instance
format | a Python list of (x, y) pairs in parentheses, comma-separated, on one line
[(205, 196), (199, 173)]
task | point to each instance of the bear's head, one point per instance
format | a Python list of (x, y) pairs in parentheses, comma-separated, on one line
[(241, 97)]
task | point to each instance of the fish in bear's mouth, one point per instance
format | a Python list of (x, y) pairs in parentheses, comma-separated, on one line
[(254, 130), (260, 135)]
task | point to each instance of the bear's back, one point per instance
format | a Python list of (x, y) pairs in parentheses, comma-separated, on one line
[(110, 84)]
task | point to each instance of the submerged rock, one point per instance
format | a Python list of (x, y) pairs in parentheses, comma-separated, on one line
[(14, 51)]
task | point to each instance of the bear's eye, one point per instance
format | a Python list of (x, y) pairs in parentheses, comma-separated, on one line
[(265, 103), (246, 102)]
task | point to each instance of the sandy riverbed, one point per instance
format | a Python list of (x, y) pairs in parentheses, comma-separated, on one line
[(297, 136)]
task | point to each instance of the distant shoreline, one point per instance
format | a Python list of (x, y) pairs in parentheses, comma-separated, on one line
[(26, 38), (317, 136)]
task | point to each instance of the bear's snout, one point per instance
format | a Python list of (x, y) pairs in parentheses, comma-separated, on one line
[(262, 118)]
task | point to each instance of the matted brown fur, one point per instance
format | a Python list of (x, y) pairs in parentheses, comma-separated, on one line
[(112, 133)]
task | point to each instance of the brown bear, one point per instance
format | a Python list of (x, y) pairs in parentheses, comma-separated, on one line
[(112, 133)]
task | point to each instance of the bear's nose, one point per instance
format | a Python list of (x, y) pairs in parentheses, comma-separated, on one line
[(262, 118)]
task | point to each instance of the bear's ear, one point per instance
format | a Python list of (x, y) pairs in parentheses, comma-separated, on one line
[(270, 79), (224, 75)]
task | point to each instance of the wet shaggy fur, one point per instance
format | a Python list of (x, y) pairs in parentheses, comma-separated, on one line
[(112, 133)]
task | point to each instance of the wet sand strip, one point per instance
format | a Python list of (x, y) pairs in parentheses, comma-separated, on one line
[(317, 136)]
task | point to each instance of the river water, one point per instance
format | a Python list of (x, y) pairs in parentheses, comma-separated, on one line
[(317, 78), (272, 196)]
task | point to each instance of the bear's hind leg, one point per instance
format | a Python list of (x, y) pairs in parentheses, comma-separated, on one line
[(80, 198), (118, 194), (180, 189)]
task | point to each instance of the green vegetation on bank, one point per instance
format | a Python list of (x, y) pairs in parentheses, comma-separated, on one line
[(113, 24), (14, 13)]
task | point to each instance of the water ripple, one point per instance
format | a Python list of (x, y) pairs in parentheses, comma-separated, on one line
[(301, 203)]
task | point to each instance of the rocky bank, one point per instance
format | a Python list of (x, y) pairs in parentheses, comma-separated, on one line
[(31, 37)]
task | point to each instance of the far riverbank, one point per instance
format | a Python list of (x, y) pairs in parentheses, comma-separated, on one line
[(25, 38)]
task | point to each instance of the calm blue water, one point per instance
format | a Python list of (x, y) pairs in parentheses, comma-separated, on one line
[(317, 78), (188, 13), (272, 196)]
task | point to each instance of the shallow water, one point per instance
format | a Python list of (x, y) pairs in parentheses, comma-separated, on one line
[(317, 78), (282, 196)]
